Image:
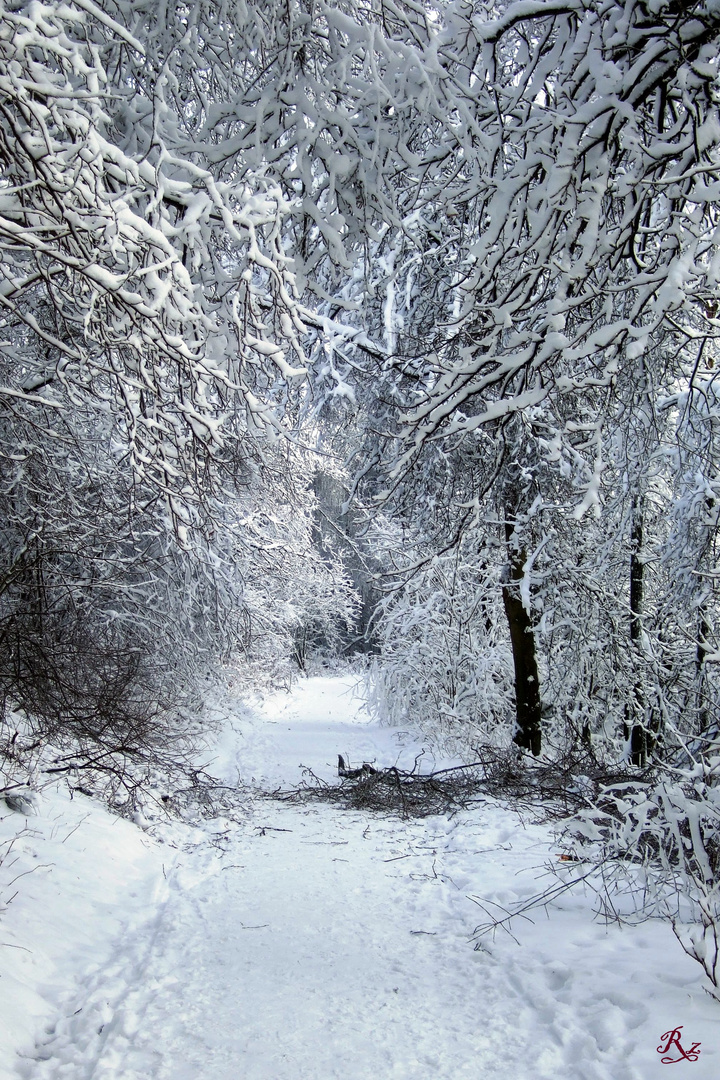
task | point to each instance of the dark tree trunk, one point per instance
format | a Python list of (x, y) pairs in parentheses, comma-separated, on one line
[(527, 682), (637, 729), (703, 633)]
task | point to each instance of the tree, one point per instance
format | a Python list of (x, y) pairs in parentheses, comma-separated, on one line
[(565, 228), (150, 392), (148, 283), (461, 227)]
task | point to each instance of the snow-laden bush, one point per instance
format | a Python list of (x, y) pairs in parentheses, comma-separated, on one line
[(445, 664), (109, 627), (296, 599), (657, 848)]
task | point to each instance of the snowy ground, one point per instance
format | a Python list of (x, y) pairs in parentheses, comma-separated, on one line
[(310, 943)]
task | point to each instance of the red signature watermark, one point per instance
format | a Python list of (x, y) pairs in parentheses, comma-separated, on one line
[(672, 1039)]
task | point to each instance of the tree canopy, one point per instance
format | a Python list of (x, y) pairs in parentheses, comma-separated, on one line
[(462, 257)]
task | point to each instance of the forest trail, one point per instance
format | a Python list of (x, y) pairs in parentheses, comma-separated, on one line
[(311, 943)]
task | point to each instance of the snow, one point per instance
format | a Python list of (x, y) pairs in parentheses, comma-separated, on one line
[(75, 883), (310, 942)]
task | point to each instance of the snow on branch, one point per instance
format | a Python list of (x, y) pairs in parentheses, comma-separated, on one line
[(568, 207), (162, 286)]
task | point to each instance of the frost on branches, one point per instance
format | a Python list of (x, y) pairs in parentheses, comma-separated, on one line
[(553, 284), (468, 249), (150, 285), (151, 371)]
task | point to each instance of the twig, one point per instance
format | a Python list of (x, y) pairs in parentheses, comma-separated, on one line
[(26, 873), (543, 899)]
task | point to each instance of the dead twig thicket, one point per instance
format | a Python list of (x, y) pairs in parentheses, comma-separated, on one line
[(392, 790), (197, 794), (558, 786), (158, 781), (552, 789)]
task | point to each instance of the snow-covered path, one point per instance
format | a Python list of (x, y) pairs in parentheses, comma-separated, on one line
[(312, 943)]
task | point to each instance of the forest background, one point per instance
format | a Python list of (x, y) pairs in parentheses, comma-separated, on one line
[(381, 328)]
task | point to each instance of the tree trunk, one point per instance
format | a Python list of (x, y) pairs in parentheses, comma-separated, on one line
[(703, 633), (527, 682), (638, 732)]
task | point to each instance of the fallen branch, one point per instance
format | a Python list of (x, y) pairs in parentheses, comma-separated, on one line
[(391, 790), (553, 788)]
